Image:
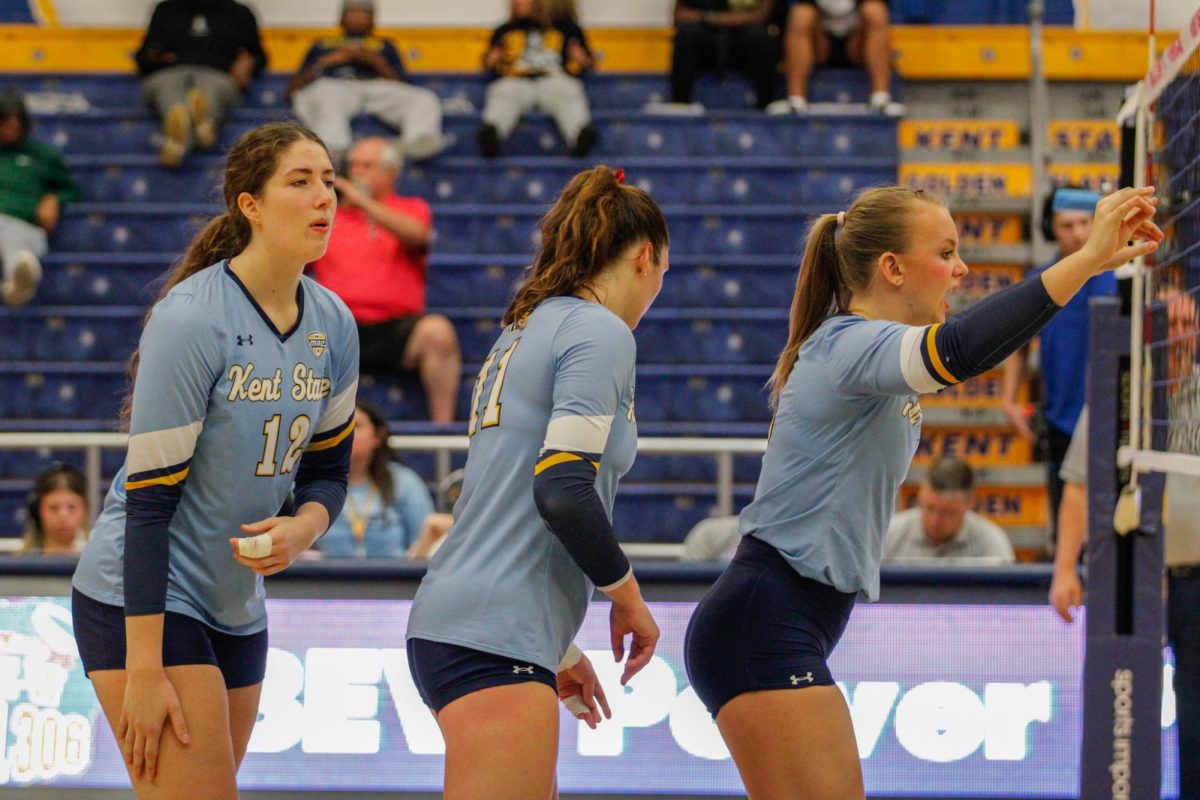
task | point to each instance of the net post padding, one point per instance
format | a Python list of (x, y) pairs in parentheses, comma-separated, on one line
[(1121, 755)]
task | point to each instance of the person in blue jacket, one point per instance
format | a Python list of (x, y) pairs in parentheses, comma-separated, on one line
[(386, 502)]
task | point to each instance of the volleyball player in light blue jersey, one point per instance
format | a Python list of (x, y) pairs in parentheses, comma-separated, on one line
[(868, 335), (244, 385), (552, 430)]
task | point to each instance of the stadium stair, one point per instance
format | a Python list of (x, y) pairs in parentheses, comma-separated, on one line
[(737, 188)]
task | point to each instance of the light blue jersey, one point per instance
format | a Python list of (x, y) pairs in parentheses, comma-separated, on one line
[(389, 529), (846, 428), (503, 583), (227, 413)]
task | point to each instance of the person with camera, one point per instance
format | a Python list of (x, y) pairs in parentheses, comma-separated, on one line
[(377, 264)]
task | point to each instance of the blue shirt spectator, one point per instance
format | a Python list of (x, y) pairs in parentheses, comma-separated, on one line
[(386, 502)]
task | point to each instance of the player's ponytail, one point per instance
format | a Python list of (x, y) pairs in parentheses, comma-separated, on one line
[(819, 293), (595, 219), (840, 260), (250, 163)]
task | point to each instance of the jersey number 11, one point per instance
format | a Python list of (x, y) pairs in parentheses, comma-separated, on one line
[(491, 412)]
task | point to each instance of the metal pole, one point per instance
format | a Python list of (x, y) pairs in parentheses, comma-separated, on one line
[(91, 470), (442, 464), (1039, 114), (724, 484)]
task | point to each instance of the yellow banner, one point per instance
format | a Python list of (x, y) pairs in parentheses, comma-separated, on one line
[(981, 229), (959, 134), (1087, 135), (977, 446), (968, 180), (982, 391), (1015, 506), (1101, 177)]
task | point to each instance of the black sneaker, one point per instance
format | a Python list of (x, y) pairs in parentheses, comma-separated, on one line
[(489, 141), (586, 141)]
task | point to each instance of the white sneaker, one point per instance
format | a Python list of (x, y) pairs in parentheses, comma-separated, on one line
[(674, 109), (24, 276), (787, 105), (882, 103), (427, 146)]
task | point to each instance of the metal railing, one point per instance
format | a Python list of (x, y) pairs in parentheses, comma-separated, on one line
[(722, 449)]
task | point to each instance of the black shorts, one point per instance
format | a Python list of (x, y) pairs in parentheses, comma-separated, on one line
[(382, 344), (100, 636), (445, 672), (762, 626), (839, 46)]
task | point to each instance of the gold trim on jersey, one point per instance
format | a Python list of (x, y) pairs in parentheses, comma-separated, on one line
[(931, 347), (162, 480), (332, 441), (560, 458)]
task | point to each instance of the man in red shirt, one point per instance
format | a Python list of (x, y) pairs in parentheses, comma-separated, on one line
[(376, 263)]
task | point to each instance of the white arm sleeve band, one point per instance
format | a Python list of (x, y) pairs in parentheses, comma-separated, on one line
[(573, 656)]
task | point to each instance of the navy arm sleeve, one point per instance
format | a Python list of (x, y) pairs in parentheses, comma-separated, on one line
[(877, 357), (179, 364), (595, 354), (991, 330), (321, 476), (325, 465)]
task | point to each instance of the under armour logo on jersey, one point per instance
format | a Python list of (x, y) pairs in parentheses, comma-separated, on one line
[(247, 339), (912, 410), (519, 670), (808, 677)]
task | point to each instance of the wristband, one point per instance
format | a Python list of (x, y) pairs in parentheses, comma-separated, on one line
[(573, 656)]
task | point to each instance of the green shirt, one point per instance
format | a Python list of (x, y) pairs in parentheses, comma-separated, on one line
[(30, 170)]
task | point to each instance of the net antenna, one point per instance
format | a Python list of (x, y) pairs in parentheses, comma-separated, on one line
[(1165, 108)]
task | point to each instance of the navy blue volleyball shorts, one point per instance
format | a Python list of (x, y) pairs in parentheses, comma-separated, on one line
[(762, 626), (445, 672), (100, 636)]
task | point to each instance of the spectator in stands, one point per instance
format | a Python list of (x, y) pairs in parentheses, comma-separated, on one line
[(376, 262), (1063, 344), (386, 502), (359, 72), (837, 33), (720, 35), (712, 539), (943, 525), (57, 513), (34, 183), (437, 526), (536, 60), (196, 61)]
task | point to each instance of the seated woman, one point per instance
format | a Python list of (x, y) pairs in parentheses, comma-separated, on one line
[(57, 513), (386, 502)]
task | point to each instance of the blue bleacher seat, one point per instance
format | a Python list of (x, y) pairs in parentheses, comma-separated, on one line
[(607, 91), (664, 513), (737, 188)]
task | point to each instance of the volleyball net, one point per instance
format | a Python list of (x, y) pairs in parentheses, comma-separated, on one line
[(1165, 406)]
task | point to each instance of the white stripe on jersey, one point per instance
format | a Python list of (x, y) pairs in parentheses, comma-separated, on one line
[(339, 410), (619, 583), (912, 365), (162, 449), (578, 434)]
